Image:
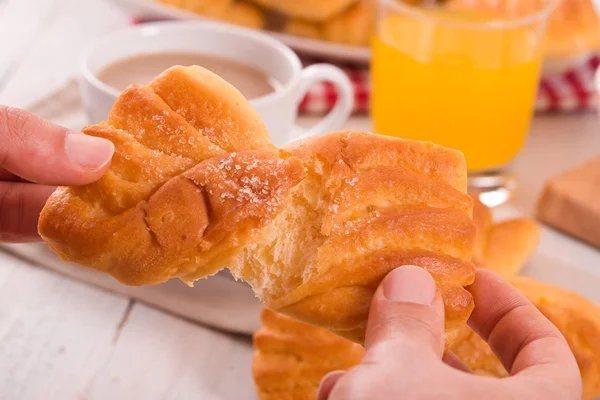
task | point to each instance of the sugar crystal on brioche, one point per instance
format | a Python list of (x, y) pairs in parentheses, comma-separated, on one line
[(196, 186)]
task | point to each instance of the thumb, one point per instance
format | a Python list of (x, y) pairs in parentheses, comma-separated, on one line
[(406, 320), (41, 152)]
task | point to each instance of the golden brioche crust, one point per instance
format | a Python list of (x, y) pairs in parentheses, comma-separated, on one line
[(196, 186), (577, 318), (174, 142), (292, 357), (503, 247), (352, 27), (352, 194)]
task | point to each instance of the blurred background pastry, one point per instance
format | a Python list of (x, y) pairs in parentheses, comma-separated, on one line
[(309, 10), (209, 8), (574, 28), (503, 246), (245, 14), (232, 11), (353, 26)]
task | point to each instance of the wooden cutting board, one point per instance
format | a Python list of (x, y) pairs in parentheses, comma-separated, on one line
[(570, 202)]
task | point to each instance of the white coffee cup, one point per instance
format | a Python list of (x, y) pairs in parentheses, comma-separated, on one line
[(279, 109)]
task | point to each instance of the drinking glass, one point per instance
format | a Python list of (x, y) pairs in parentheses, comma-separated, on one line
[(461, 76)]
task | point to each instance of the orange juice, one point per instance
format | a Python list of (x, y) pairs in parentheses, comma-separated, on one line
[(456, 86)]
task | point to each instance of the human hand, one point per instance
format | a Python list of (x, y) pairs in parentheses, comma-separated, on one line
[(405, 344), (35, 156)]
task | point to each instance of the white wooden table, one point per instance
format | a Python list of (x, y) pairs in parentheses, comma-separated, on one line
[(60, 339)]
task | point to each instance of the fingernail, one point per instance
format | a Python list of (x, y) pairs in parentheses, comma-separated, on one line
[(327, 384), (409, 284), (88, 152)]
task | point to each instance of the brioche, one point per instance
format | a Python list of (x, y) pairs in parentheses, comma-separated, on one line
[(573, 29), (232, 11), (503, 247), (352, 27), (577, 318), (209, 8), (292, 357), (308, 10), (244, 14), (195, 186), (573, 26)]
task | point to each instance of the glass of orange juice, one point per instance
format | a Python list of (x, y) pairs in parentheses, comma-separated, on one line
[(463, 74)]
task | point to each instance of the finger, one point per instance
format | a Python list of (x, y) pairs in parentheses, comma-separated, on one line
[(327, 384), (520, 335), (41, 152), (20, 206), (8, 176), (453, 361), (406, 319)]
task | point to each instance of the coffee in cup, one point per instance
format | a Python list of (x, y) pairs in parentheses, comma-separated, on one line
[(142, 68)]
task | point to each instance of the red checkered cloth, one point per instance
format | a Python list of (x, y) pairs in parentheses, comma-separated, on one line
[(574, 89), (568, 91), (322, 96)]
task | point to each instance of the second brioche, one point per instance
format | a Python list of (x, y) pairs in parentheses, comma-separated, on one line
[(577, 319), (291, 357)]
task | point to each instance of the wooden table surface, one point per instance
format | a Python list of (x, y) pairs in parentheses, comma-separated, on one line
[(60, 339)]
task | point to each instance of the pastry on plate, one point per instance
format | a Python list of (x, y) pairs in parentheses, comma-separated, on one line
[(353, 27), (504, 246), (245, 14), (577, 318), (308, 10), (209, 8), (233, 11), (292, 357), (573, 26), (196, 186)]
